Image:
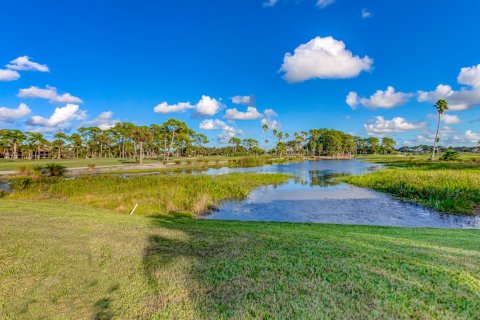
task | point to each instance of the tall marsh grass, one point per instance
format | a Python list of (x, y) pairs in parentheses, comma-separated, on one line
[(155, 195), (446, 190)]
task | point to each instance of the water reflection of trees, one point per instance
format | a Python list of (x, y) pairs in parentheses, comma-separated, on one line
[(321, 178)]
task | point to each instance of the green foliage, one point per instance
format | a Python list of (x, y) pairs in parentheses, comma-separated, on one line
[(53, 170), (450, 155)]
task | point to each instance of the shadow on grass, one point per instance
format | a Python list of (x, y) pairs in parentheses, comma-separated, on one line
[(219, 269)]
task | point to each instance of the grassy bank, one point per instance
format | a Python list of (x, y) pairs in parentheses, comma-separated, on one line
[(446, 186), (160, 194), (61, 261)]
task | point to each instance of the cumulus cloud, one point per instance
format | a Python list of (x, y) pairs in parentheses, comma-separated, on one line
[(60, 118), (104, 121), (227, 133), (24, 63), (380, 99), (366, 13), (207, 106), (397, 124), (49, 93), (352, 99), (269, 3), (248, 100), (324, 3), (272, 124), (464, 99), (472, 136), (164, 107), (448, 136), (8, 115), (446, 118), (270, 113), (324, 58), (251, 114), (9, 75)]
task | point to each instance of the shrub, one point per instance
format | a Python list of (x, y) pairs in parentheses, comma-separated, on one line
[(91, 167), (177, 161), (53, 170), (450, 155)]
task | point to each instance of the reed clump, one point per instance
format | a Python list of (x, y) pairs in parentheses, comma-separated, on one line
[(155, 195), (445, 190)]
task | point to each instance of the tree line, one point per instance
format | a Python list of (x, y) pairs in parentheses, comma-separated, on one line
[(173, 138)]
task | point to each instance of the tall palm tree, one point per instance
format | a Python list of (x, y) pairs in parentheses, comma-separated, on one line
[(441, 106)]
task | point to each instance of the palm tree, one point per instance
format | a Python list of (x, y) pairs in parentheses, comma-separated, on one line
[(441, 106)]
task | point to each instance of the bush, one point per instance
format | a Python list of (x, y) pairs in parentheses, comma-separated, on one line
[(91, 167), (53, 170), (177, 161), (450, 155)]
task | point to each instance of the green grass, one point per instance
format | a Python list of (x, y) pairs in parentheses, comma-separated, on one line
[(158, 194), (446, 186), (11, 165), (62, 261)]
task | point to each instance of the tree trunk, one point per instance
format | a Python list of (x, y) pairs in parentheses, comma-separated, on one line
[(436, 137), (141, 153)]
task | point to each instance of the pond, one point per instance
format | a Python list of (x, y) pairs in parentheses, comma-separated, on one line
[(312, 197)]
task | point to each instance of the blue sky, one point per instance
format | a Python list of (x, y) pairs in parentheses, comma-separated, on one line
[(299, 59)]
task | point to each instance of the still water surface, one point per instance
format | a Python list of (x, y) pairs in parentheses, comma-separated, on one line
[(312, 197)]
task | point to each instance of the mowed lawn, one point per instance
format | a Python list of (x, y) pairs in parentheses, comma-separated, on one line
[(12, 165), (65, 261)]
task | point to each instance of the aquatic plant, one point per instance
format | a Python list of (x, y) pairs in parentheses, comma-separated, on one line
[(159, 194)]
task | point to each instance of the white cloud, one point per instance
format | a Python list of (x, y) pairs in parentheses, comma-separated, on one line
[(446, 118), (104, 121), (49, 93), (366, 13), (465, 98), (269, 3), (60, 118), (380, 99), (207, 106), (397, 124), (270, 113), (227, 133), (164, 107), (272, 124), (9, 75), (7, 114), (324, 3), (211, 124), (470, 76), (248, 100), (450, 119), (250, 114), (472, 136), (323, 58), (25, 64), (352, 99)]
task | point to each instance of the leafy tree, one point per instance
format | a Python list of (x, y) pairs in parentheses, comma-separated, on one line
[(141, 135), (235, 142), (388, 145)]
